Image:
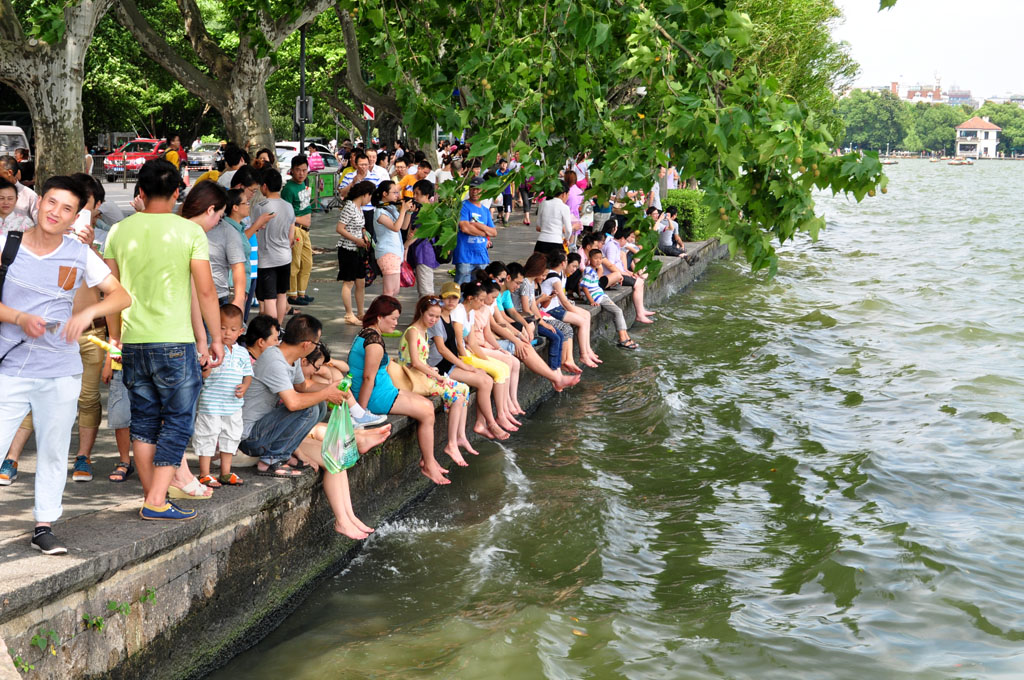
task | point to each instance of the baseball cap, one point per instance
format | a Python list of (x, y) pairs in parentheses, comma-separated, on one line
[(450, 289), (476, 182)]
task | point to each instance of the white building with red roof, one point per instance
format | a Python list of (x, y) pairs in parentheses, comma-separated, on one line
[(977, 138)]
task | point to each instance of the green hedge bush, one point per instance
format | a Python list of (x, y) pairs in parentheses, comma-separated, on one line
[(694, 224)]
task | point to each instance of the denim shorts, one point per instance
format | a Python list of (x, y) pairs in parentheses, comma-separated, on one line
[(119, 409), (163, 382), (507, 345), (558, 312)]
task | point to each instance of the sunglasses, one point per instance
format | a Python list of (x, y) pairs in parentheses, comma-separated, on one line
[(434, 301)]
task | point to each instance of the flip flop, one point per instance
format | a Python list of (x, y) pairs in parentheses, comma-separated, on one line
[(628, 345), (210, 481)]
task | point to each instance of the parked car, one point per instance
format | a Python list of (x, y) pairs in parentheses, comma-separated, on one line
[(12, 137), (204, 157), (132, 155)]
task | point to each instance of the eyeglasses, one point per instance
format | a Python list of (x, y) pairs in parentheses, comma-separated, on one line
[(434, 301), (503, 279)]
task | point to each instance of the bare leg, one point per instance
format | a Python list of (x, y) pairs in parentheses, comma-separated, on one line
[(485, 425), (463, 441), (513, 378), (568, 363), (18, 445), (282, 308), (183, 476), (360, 296), (456, 415), (338, 495), (558, 380), (582, 322), (642, 315), (225, 463), (391, 284), (346, 296), (204, 465), (421, 409), (86, 440), (155, 480)]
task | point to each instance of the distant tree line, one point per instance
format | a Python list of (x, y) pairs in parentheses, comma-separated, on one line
[(880, 120)]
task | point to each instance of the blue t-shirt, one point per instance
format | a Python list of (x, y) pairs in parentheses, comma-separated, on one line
[(472, 249), (507, 191), (505, 301)]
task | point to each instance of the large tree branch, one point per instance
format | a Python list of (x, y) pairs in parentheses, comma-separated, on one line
[(194, 80), (344, 109), (354, 74), (205, 46), (282, 28)]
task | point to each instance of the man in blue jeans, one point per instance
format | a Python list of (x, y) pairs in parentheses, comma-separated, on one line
[(157, 256), (475, 227), (281, 406)]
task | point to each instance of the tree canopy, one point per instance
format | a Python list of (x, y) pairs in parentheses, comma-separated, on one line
[(737, 94)]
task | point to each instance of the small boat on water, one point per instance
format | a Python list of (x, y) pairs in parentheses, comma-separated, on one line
[(934, 160), (889, 161), (962, 161)]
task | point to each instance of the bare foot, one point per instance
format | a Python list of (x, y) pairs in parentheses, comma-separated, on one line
[(489, 431), (596, 359), (452, 449), (350, 530), (565, 381), (434, 472), (369, 438), (359, 524), (572, 368), (464, 443), (644, 319), (588, 363), (506, 425)]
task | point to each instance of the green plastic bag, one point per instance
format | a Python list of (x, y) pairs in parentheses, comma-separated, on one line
[(339, 449)]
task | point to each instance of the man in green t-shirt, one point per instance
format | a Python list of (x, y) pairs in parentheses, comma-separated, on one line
[(158, 256), (298, 194)]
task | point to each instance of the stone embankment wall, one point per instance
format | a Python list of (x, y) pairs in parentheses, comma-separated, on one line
[(192, 595)]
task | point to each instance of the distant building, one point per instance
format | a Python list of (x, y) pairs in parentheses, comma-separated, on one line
[(977, 138), (918, 93), (957, 97)]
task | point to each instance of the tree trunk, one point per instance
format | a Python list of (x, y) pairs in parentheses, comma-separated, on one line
[(48, 77), (388, 127), (247, 113), (55, 103)]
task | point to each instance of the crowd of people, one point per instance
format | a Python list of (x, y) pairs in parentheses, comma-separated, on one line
[(193, 314)]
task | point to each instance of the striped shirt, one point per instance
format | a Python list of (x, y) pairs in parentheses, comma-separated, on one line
[(218, 395), (376, 175), (591, 282), (353, 222)]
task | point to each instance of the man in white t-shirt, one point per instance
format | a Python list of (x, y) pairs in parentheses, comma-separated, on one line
[(40, 362)]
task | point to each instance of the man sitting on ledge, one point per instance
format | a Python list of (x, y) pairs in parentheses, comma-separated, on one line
[(274, 431)]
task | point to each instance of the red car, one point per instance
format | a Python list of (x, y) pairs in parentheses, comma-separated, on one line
[(132, 154)]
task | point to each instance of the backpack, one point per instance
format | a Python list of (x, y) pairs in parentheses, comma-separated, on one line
[(7, 258)]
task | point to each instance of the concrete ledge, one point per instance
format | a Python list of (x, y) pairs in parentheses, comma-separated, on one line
[(202, 591)]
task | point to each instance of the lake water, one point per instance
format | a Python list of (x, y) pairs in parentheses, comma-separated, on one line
[(813, 477)]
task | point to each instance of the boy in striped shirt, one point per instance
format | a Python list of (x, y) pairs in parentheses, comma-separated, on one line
[(219, 413)]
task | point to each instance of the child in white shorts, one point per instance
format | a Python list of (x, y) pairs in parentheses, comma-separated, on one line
[(219, 413)]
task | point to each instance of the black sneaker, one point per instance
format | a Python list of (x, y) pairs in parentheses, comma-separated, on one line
[(44, 541)]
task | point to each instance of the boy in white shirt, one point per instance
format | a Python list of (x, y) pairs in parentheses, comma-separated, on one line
[(219, 413)]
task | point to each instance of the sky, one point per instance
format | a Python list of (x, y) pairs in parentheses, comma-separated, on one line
[(969, 44)]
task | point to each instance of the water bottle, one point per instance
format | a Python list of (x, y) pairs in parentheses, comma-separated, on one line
[(344, 386)]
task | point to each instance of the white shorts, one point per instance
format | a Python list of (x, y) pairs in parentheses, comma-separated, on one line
[(217, 433)]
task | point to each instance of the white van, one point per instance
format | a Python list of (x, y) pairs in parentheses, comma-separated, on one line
[(12, 137)]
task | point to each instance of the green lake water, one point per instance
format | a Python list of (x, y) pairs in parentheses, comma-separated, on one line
[(814, 477)]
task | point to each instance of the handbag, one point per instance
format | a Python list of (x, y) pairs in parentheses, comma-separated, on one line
[(407, 378), (406, 277)]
